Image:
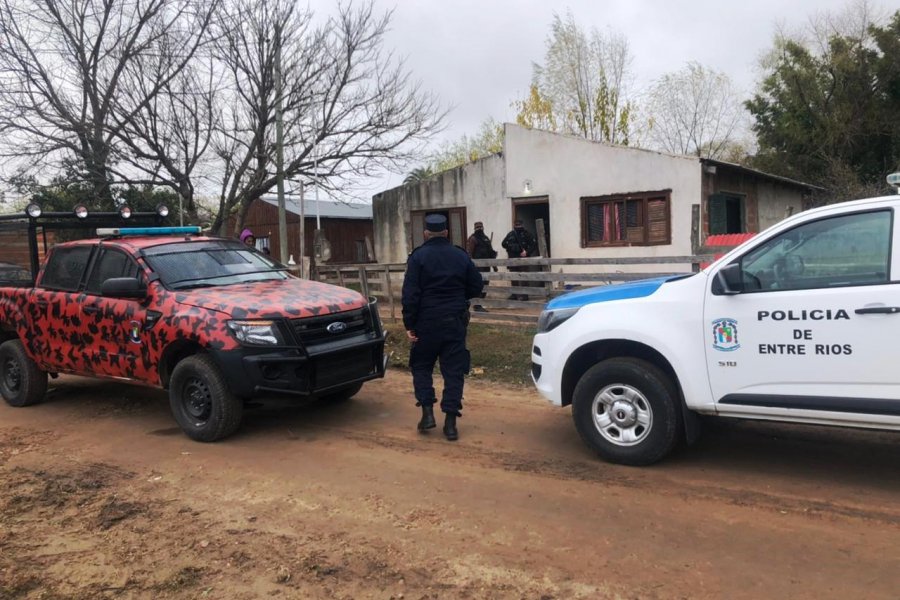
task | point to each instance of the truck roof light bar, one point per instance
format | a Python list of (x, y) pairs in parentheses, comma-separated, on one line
[(123, 231)]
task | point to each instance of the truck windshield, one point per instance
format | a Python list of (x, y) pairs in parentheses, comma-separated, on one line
[(205, 264)]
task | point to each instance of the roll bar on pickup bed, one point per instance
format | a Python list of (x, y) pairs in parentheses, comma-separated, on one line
[(33, 218)]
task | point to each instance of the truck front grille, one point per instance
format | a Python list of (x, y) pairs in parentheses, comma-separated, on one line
[(319, 330)]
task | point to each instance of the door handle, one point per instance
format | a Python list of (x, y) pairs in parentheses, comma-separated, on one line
[(91, 310), (878, 310)]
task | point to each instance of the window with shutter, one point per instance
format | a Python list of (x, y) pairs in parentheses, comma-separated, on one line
[(636, 219), (726, 213)]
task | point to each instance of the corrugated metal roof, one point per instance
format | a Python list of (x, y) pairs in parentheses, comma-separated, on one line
[(327, 208), (788, 180), (727, 239)]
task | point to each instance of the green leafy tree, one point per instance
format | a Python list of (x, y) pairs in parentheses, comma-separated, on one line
[(418, 175), (535, 111), (488, 140), (585, 77), (829, 112)]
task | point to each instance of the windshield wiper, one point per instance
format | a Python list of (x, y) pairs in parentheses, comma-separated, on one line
[(191, 286)]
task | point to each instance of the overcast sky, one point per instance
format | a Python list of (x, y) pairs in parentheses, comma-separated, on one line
[(476, 55)]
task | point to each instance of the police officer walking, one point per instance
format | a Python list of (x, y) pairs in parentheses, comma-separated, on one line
[(440, 279)]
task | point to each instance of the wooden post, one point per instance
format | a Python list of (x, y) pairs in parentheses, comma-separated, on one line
[(695, 235), (542, 246), (390, 291), (695, 229), (541, 238), (340, 275), (364, 281)]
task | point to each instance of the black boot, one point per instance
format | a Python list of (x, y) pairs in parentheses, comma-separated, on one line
[(450, 431), (427, 421)]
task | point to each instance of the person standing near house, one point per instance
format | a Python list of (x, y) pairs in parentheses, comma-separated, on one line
[(519, 243), (440, 279), (479, 245)]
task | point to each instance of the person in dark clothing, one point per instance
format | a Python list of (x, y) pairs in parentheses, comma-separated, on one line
[(479, 245), (440, 279), (519, 243)]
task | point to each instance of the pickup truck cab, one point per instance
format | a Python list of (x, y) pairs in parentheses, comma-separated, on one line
[(212, 321), (797, 324)]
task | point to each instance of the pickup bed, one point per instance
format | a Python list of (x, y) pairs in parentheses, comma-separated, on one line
[(208, 319)]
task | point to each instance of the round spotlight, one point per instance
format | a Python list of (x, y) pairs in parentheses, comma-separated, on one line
[(81, 211), (162, 210), (125, 211), (33, 210)]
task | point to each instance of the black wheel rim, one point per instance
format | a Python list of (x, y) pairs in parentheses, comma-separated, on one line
[(12, 375), (197, 399)]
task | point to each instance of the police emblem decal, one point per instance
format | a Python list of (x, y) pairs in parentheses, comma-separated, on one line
[(134, 332), (725, 335)]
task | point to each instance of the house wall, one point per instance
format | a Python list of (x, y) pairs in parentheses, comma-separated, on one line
[(766, 202), (342, 234), (565, 169), (477, 186)]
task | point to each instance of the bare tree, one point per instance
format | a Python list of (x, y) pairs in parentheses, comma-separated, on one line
[(342, 95), (586, 79), (165, 142), (71, 75), (695, 111)]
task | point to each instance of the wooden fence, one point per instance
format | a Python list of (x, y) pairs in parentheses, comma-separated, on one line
[(543, 280)]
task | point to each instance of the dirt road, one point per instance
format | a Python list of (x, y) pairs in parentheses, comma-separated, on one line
[(101, 496)]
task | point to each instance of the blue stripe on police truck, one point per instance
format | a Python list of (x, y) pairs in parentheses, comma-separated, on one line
[(605, 293)]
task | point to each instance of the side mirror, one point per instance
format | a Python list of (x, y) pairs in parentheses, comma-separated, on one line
[(730, 280), (123, 287)]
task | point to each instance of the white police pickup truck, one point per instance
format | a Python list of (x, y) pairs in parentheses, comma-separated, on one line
[(800, 323)]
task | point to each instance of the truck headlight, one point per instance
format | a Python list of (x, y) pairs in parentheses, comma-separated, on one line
[(550, 319), (256, 333)]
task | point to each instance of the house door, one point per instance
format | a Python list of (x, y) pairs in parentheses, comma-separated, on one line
[(530, 211), (456, 220)]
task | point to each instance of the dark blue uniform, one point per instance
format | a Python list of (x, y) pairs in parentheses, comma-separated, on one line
[(440, 279)]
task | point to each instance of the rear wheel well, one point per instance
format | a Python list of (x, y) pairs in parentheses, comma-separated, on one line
[(173, 354), (590, 354)]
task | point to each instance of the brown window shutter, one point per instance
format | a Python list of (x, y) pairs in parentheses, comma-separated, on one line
[(658, 221)]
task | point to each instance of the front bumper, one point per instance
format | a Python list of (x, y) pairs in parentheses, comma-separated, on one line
[(546, 367), (292, 372), (305, 370)]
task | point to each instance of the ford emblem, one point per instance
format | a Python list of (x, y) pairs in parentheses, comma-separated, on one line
[(336, 327)]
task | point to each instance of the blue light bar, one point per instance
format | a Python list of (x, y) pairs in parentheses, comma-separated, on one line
[(106, 231)]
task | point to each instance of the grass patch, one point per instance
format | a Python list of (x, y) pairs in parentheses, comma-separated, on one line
[(500, 353)]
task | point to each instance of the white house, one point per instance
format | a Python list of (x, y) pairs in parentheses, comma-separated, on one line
[(595, 199)]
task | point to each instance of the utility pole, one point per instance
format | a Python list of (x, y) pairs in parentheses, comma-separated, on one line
[(279, 155), (302, 230)]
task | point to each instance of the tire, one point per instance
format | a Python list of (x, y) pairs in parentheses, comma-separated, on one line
[(22, 383), (202, 404), (341, 394), (628, 411)]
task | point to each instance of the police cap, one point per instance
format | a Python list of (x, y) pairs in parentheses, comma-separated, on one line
[(436, 223)]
